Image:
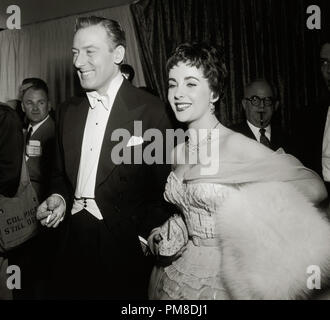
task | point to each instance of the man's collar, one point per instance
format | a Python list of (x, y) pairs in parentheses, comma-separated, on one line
[(256, 129), (36, 126), (114, 85)]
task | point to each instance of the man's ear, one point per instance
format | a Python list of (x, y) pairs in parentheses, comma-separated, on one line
[(119, 54), (277, 103), (23, 107)]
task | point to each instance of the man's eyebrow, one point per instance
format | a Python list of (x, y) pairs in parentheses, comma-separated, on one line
[(85, 47), (171, 79)]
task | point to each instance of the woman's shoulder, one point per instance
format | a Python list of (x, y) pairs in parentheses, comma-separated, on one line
[(244, 148)]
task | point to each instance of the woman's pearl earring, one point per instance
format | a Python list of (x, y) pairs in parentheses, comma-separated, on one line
[(212, 107)]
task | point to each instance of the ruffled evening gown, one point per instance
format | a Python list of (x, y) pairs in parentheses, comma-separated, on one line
[(194, 275), (246, 241)]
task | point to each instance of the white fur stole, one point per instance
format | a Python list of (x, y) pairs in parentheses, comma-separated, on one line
[(270, 234)]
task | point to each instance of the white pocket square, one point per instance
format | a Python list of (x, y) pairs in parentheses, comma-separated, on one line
[(134, 141)]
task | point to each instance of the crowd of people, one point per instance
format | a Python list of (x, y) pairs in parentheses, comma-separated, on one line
[(250, 230)]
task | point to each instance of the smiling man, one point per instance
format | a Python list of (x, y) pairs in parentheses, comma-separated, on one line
[(107, 205), (40, 135)]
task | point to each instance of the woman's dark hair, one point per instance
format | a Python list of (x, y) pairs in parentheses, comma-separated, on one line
[(202, 55)]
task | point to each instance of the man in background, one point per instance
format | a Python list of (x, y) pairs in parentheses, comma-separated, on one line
[(312, 129), (11, 155), (260, 104), (325, 71), (11, 150), (35, 256), (15, 104), (40, 136)]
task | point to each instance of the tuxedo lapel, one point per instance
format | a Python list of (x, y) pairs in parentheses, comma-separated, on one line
[(123, 112), (73, 130)]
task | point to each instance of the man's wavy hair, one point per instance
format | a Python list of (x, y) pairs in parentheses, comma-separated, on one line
[(201, 55), (32, 83), (114, 31)]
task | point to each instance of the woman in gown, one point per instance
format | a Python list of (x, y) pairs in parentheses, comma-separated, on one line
[(247, 227)]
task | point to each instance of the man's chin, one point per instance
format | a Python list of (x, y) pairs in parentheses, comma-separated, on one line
[(264, 125), (35, 121), (87, 86)]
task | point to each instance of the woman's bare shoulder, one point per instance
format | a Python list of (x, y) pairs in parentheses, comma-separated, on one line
[(245, 148)]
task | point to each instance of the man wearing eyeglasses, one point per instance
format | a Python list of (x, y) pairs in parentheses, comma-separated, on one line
[(260, 104)]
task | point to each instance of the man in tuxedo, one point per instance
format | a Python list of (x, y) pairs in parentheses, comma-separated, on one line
[(260, 104), (107, 205), (312, 131), (40, 136)]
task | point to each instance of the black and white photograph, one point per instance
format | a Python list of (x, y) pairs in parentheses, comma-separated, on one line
[(173, 150)]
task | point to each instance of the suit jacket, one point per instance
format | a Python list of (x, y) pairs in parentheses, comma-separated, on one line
[(11, 151), (308, 135), (40, 167), (277, 139), (129, 196)]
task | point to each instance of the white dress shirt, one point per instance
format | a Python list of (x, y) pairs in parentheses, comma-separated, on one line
[(96, 123), (326, 150), (256, 131)]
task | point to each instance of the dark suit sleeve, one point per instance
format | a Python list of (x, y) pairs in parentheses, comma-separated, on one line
[(158, 210), (59, 183), (47, 162), (11, 151), (307, 137)]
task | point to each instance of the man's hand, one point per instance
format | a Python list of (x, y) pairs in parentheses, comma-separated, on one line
[(51, 211)]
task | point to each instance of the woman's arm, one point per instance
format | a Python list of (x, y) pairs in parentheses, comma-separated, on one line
[(313, 188)]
